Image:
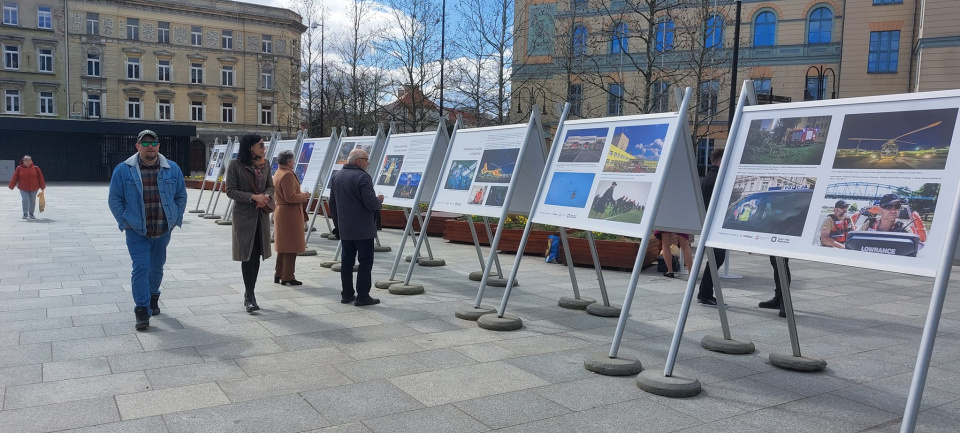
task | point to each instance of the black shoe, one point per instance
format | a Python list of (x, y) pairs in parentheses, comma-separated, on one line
[(782, 313), (276, 280), (712, 302), (348, 300), (292, 282), (143, 319), (366, 301), (250, 301), (155, 304), (669, 275), (772, 304)]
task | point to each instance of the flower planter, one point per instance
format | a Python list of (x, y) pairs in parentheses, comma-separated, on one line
[(394, 219), (195, 184)]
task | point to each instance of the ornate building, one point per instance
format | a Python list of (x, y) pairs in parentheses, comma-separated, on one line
[(32, 73)]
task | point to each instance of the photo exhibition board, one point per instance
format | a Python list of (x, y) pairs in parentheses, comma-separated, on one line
[(282, 145), (216, 162), (347, 144), (311, 161), (403, 167), (481, 164), (607, 172), (860, 182)]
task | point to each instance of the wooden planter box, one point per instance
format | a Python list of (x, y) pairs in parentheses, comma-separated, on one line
[(394, 219), (195, 184)]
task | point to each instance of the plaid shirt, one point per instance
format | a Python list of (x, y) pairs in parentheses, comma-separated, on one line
[(156, 220)]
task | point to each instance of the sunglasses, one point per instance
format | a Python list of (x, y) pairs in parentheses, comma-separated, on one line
[(150, 143), (891, 206)]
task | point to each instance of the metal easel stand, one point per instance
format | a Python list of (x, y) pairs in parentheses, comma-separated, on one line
[(429, 260), (227, 216), (378, 247), (576, 302), (726, 269), (478, 275), (338, 264), (407, 232), (793, 361), (494, 280), (334, 260), (606, 309)]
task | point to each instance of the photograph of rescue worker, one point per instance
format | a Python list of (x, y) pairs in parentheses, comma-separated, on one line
[(833, 231)]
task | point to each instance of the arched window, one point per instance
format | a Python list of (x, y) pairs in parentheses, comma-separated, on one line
[(579, 42), (821, 26), (765, 29), (713, 35), (665, 35), (619, 40)]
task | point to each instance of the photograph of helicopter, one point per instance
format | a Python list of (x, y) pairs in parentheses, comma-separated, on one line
[(903, 140), (569, 189), (496, 165)]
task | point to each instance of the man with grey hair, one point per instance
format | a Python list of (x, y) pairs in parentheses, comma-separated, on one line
[(353, 205)]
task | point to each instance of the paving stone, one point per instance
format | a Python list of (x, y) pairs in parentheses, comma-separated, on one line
[(504, 410), (45, 393), (24, 354), (154, 359), (85, 310), (354, 427), (61, 370), (143, 425), (282, 383), (36, 324), (277, 414), (238, 349), (591, 392), (20, 375), (833, 414), (170, 400), (191, 374), (61, 334), (93, 347), (61, 416), (440, 419), (486, 352), (555, 367), (273, 363), (441, 358), (380, 368), (465, 383), (199, 337), (364, 400)]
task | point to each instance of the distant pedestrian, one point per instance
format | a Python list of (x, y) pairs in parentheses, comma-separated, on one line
[(250, 186), (354, 205), (29, 179), (705, 293), (148, 197), (288, 219)]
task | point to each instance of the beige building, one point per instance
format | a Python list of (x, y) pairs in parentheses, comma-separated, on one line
[(32, 73)]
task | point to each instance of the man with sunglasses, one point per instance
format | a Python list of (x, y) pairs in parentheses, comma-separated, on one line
[(148, 197)]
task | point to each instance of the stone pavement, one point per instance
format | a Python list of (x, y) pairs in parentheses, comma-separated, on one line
[(70, 359)]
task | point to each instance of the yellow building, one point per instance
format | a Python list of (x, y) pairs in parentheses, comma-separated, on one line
[(32, 73)]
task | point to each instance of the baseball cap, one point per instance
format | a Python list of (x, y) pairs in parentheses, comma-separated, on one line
[(889, 199), (841, 203), (146, 132)]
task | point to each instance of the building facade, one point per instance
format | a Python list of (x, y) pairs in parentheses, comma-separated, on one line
[(32, 78)]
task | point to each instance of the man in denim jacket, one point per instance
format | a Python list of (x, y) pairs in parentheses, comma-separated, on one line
[(147, 198)]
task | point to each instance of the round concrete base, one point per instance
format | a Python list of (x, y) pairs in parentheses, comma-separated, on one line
[(732, 346), (492, 322), (598, 309), (478, 275), (602, 363), (385, 284), (201, 215), (798, 363), (429, 263), (324, 235), (337, 267), (574, 303), (332, 237), (500, 282), (224, 223), (381, 248), (197, 211), (307, 253), (211, 217), (328, 264), (406, 289), (312, 229), (469, 312), (408, 258), (654, 382)]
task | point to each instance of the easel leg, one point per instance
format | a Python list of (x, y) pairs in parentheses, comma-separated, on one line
[(576, 302), (795, 361)]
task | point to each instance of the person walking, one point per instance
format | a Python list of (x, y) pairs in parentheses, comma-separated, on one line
[(354, 205), (148, 197), (705, 293), (250, 186), (29, 179), (288, 219)]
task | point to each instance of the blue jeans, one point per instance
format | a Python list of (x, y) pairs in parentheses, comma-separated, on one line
[(29, 199), (353, 251), (148, 256)]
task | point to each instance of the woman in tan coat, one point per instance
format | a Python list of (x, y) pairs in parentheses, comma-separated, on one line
[(288, 219)]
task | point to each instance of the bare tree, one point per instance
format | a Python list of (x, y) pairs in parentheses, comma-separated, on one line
[(359, 67), (414, 48), (486, 43)]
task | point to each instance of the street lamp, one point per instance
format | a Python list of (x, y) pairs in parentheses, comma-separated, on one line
[(314, 26), (733, 72), (533, 96), (821, 76)]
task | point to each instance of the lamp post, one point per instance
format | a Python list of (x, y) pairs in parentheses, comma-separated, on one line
[(533, 97), (310, 77), (733, 72), (821, 75), (443, 40)]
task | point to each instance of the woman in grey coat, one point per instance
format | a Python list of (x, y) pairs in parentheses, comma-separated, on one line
[(250, 186)]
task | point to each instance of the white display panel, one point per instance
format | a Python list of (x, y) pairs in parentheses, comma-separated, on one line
[(402, 170), (282, 145), (607, 173), (886, 157), (348, 144), (216, 162), (311, 161)]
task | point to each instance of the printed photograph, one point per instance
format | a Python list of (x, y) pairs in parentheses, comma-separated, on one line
[(786, 141), (476, 194), (460, 175), (497, 196), (366, 147), (902, 140), (301, 171), (569, 189), (344, 152), (583, 145), (636, 149), (496, 165), (769, 204), (620, 201), (305, 153), (220, 156), (407, 185), (390, 170), (877, 218)]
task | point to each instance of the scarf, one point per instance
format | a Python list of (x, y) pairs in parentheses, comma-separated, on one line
[(258, 165)]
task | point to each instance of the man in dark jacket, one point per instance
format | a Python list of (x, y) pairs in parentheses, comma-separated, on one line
[(705, 295), (353, 205)]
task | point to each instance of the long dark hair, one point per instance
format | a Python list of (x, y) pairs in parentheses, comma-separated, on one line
[(246, 142)]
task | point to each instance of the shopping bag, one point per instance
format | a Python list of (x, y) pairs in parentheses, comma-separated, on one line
[(42, 200)]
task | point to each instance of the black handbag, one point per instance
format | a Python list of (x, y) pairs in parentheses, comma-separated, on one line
[(271, 205)]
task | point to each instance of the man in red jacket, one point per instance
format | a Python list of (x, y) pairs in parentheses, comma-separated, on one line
[(29, 179)]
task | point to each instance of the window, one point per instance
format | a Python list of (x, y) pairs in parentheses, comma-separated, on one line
[(266, 80), (579, 41), (163, 70), (226, 76), (45, 60), (615, 100), (765, 29), (163, 32), (761, 86), (93, 105), (226, 39), (575, 98), (816, 90), (820, 26), (226, 112), (196, 36), (713, 34), (659, 97), (196, 111), (133, 29), (196, 73), (884, 49), (133, 68), (46, 103), (709, 94), (887, 2), (665, 36), (133, 108), (267, 44), (93, 65), (619, 41), (11, 14), (266, 115), (12, 101), (93, 23), (44, 17), (11, 57), (164, 109)]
